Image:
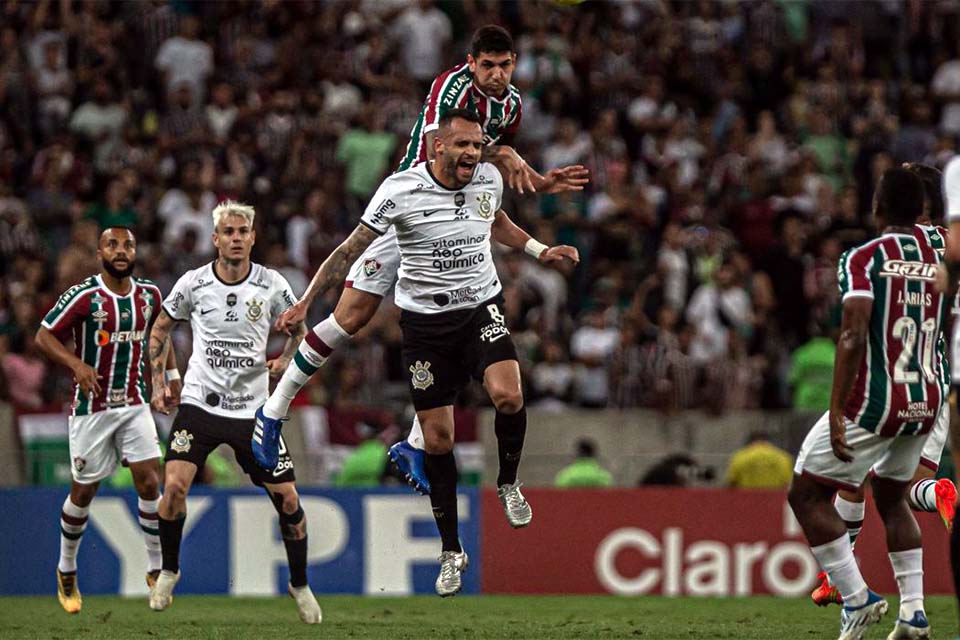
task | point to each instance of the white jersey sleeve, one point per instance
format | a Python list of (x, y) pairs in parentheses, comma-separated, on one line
[(383, 207), (951, 189), (282, 298), (179, 302)]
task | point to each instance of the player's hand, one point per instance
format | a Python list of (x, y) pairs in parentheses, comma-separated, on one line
[(86, 378), (158, 401), (558, 254), (277, 366), (292, 317), (519, 173), (838, 437), (571, 178), (172, 395)]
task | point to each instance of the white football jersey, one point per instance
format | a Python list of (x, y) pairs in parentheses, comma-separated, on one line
[(443, 235), (227, 373)]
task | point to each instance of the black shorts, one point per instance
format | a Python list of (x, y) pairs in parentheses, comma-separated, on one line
[(442, 351), (195, 433)]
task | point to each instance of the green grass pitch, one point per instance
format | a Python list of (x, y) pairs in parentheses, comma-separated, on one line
[(592, 617)]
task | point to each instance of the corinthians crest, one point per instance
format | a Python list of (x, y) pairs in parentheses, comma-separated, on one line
[(181, 441), (254, 310), (486, 209), (422, 378)]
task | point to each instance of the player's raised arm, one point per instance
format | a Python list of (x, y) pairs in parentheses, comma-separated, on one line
[(851, 346), (331, 273), (505, 231), (85, 375), (158, 349)]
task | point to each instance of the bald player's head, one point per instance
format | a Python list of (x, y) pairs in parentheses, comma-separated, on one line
[(117, 251)]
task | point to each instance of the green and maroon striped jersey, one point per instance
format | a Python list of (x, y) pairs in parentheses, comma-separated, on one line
[(110, 334), (454, 89), (901, 383)]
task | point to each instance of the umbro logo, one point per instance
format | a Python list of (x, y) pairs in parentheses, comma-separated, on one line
[(204, 312)]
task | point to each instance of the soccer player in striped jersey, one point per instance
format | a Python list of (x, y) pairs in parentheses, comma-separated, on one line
[(926, 492), (889, 387), (481, 85), (107, 316)]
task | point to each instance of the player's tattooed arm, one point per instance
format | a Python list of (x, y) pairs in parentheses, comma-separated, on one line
[(330, 274), (158, 349), (278, 365), (85, 375), (505, 231), (854, 330)]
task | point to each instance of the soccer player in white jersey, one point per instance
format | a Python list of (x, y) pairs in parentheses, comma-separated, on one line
[(231, 304), (926, 493), (481, 85), (889, 387), (107, 316), (445, 213)]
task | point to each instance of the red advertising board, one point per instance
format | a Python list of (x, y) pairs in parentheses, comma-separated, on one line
[(705, 542)]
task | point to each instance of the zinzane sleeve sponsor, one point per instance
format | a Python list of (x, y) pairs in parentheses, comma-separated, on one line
[(69, 311), (853, 272), (179, 304), (282, 298), (382, 208)]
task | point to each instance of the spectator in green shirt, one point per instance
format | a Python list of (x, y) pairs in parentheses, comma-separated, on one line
[(585, 471), (114, 211), (365, 467), (366, 151), (811, 374)]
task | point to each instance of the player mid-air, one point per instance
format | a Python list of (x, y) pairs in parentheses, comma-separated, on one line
[(107, 316), (926, 493), (482, 86), (889, 388), (446, 212), (231, 304)]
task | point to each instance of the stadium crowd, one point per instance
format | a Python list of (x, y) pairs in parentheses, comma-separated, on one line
[(733, 149)]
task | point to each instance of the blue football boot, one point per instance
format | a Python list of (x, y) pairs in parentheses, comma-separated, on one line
[(266, 440), (410, 462)]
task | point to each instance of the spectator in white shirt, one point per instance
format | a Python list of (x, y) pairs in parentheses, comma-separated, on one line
[(423, 33), (186, 58)]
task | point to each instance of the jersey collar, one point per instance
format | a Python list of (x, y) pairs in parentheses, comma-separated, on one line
[(213, 268), (111, 292)]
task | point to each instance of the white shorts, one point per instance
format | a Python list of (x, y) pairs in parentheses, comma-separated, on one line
[(933, 449), (375, 271), (99, 439), (893, 458)]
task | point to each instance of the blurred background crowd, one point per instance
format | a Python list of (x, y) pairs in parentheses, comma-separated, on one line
[(733, 146)]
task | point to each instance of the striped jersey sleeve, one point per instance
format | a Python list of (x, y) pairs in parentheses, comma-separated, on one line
[(853, 272), (446, 92), (70, 310), (512, 124)]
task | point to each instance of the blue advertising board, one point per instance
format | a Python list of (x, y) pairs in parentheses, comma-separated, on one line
[(380, 541)]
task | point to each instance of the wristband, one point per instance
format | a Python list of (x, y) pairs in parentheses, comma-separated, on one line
[(170, 375), (534, 248)]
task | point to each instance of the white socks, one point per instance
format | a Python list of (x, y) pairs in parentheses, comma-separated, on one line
[(852, 514), (908, 570), (73, 521), (922, 496), (311, 355), (416, 434), (836, 558), (149, 524)]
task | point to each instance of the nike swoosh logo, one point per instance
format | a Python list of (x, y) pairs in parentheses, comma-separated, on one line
[(498, 336), (204, 312), (430, 213)]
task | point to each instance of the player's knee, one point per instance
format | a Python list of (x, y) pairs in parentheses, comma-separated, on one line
[(437, 441), (175, 490), (147, 485), (508, 401)]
